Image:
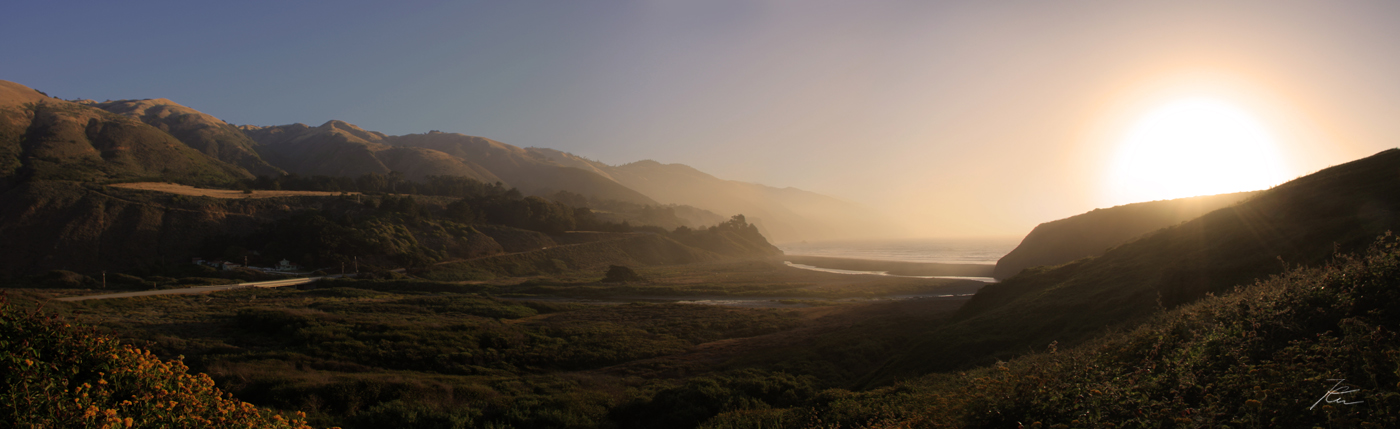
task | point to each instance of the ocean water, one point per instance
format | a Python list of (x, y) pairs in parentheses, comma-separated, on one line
[(941, 250)]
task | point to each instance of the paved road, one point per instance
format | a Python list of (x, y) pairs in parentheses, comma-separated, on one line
[(199, 289)]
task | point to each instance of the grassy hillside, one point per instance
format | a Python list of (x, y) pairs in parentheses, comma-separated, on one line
[(205, 133), (1302, 222), (51, 139), (1263, 356), (59, 375), (1092, 233)]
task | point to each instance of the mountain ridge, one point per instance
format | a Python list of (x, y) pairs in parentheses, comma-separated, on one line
[(1091, 233), (337, 148), (199, 130), (44, 138)]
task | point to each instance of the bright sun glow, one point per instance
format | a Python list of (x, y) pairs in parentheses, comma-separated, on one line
[(1194, 146)]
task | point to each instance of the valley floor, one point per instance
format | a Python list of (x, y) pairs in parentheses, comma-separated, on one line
[(563, 350)]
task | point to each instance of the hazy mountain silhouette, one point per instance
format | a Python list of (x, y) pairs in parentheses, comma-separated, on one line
[(523, 169), (783, 214), (1092, 233)]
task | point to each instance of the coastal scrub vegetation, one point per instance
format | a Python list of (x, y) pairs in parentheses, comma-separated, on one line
[(60, 375)]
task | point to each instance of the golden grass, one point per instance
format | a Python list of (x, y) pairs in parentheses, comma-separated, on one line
[(218, 193)]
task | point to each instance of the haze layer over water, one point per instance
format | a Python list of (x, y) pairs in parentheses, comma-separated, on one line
[(940, 250)]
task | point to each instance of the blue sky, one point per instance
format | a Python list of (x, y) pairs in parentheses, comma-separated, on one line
[(965, 118)]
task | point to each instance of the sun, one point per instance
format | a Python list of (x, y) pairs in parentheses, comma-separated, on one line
[(1194, 146)]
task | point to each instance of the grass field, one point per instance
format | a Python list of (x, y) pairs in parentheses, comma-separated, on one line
[(219, 193)]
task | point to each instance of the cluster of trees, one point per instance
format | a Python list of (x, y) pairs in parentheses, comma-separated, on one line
[(391, 230), (479, 202), (408, 224)]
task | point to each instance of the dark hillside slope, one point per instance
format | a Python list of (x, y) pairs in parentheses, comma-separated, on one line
[(1262, 356), (50, 139), (205, 133), (1090, 234), (64, 225), (1302, 222)]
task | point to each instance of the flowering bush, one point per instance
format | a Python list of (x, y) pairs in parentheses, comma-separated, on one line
[(58, 375)]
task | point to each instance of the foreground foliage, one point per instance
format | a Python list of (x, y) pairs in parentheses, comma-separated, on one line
[(58, 375)]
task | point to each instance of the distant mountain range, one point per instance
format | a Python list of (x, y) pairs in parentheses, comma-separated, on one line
[(784, 214), (157, 139)]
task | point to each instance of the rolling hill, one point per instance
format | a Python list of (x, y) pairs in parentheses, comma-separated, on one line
[(205, 133), (1092, 233), (43, 138), (1303, 222)]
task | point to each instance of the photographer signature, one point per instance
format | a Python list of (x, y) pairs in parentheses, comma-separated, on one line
[(1333, 395)]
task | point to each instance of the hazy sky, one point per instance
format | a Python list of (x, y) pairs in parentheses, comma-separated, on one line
[(960, 118)]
